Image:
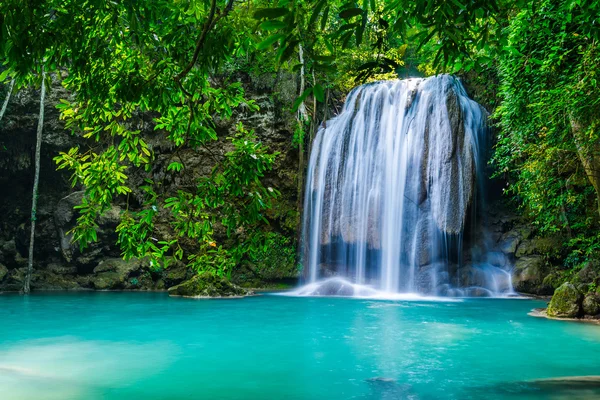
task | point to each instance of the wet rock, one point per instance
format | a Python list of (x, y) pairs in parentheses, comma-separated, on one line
[(591, 304), (114, 273), (497, 259), (457, 159), (485, 276), (477, 292), (208, 285), (425, 278), (509, 243), (528, 275), (566, 302)]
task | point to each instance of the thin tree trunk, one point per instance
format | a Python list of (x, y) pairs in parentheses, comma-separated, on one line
[(36, 180), (10, 89), (313, 125), (301, 118)]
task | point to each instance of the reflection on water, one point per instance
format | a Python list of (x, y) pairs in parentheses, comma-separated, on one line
[(68, 368)]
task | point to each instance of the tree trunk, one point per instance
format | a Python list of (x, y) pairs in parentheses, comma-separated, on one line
[(301, 118), (10, 89), (36, 179), (589, 156)]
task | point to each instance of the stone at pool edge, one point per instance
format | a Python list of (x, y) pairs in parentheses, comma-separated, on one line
[(208, 285), (591, 304), (566, 302)]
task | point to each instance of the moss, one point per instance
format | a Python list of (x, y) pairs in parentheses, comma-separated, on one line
[(554, 280), (207, 285), (566, 302)]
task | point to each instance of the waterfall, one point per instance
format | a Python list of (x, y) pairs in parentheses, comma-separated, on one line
[(391, 183)]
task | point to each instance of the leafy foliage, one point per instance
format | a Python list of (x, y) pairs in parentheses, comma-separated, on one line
[(548, 117)]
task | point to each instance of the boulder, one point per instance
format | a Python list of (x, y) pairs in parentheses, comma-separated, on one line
[(114, 273), (590, 272), (591, 304), (176, 273), (61, 269), (511, 240), (566, 302), (528, 275), (208, 285), (47, 280)]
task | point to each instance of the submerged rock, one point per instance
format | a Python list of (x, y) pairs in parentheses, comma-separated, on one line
[(566, 302), (208, 285)]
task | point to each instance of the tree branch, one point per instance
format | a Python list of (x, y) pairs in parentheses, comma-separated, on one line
[(210, 23)]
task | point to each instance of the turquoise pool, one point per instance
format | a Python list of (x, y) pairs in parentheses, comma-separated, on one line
[(149, 346)]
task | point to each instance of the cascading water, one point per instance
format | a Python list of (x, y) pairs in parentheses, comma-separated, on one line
[(390, 183)]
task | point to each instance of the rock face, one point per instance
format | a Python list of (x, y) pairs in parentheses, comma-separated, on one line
[(566, 302), (59, 264), (208, 285)]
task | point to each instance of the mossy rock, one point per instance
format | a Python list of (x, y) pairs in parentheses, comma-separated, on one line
[(3, 271), (553, 280), (590, 272), (108, 280), (566, 302), (591, 304), (544, 246), (208, 285), (529, 274)]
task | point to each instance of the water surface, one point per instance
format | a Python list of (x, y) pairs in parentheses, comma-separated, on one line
[(149, 346)]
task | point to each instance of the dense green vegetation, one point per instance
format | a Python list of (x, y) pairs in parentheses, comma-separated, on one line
[(168, 66)]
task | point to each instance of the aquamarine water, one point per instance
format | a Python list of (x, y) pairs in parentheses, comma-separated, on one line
[(149, 346)]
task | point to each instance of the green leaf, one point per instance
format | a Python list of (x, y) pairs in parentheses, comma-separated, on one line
[(268, 42), (350, 12), (316, 12), (270, 13), (324, 18), (319, 92), (3, 75), (301, 98), (272, 25)]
